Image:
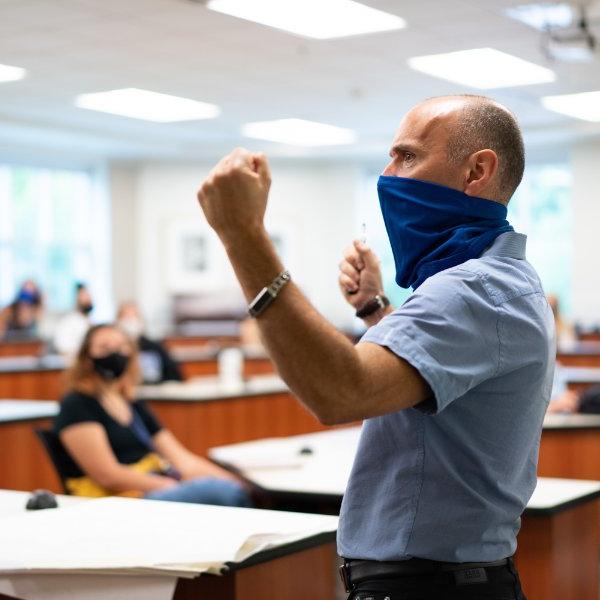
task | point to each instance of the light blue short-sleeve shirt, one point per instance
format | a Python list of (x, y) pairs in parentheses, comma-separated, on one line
[(448, 479)]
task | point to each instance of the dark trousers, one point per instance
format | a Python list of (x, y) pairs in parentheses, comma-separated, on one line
[(502, 584)]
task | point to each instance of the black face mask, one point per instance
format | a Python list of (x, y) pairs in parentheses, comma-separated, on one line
[(111, 366), (86, 309)]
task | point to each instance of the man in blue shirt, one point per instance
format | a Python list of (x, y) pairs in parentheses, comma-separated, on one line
[(453, 385)]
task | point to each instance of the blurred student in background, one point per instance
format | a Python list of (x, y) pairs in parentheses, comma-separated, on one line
[(117, 445), (156, 363), (71, 329), (565, 332), (21, 318)]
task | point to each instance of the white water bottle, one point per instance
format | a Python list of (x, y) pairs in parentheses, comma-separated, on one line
[(231, 367)]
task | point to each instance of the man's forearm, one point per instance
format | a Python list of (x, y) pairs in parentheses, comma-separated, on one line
[(320, 365)]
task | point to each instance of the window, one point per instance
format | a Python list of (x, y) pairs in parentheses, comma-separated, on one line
[(54, 228), (368, 214), (541, 208)]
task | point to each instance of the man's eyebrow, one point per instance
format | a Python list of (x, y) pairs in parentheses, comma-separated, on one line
[(400, 148)]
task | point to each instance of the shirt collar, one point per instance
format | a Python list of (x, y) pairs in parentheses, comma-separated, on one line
[(510, 244)]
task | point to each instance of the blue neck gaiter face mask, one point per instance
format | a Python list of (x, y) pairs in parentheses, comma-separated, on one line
[(432, 227)]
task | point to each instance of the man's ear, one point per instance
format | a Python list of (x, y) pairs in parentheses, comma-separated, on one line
[(480, 176)]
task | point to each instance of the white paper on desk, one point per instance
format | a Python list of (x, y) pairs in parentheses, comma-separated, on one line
[(124, 534), (270, 453), (88, 587)]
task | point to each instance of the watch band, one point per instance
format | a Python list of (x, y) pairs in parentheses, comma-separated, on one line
[(266, 296), (372, 306)]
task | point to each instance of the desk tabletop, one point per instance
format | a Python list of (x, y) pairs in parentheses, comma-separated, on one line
[(210, 352), (579, 374), (575, 348), (124, 535), (205, 389), (571, 421), (12, 411), (319, 464), (18, 364)]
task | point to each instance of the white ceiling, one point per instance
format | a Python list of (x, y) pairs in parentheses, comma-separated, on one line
[(253, 72)]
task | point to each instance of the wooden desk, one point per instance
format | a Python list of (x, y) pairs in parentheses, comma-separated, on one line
[(579, 378), (559, 539), (590, 336), (206, 414), (172, 342), (32, 377), (21, 348), (579, 354), (570, 447), (24, 464), (200, 415), (203, 361), (299, 545)]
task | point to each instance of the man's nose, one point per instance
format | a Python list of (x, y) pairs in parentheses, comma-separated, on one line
[(389, 170)]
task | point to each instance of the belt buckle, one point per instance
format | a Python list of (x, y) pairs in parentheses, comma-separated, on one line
[(345, 577)]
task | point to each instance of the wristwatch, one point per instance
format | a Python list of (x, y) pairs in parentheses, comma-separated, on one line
[(268, 294), (373, 305)]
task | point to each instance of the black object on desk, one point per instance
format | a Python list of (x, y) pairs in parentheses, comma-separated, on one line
[(41, 499)]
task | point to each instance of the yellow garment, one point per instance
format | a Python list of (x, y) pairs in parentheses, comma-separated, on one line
[(86, 486)]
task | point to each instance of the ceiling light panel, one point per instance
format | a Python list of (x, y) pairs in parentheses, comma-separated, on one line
[(584, 106), (146, 105), (8, 73), (298, 132), (483, 68), (317, 19)]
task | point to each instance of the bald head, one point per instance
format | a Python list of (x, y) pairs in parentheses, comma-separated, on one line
[(477, 123)]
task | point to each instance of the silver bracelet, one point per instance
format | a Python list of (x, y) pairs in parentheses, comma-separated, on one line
[(266, 296)]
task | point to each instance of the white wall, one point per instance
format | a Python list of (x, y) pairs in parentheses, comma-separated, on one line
[(311, 206), (121, 185), (585, 160)]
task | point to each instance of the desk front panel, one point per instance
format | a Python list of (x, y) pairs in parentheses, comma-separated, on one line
[(210, 367), (32, 385), (570, 453), (204, 424), (579, 359), (175, 341), (25, 348), (557, 555), (24, 464)]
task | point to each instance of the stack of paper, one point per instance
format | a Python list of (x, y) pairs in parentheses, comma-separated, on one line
[(120, 535)]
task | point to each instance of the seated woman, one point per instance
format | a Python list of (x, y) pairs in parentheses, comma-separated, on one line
[(117, 445)]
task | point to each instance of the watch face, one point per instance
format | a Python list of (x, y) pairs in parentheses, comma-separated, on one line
[(260, 303)]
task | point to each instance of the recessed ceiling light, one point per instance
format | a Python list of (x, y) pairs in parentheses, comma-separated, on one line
[(312, 18), (298, 132), (8, 73), (542, 16), (150, 106), (584, 106), (483, 68)]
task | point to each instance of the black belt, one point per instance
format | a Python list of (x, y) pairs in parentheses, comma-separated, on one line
[(353, 572)]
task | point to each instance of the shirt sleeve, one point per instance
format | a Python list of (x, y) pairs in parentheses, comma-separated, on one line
[(448, 331), (151, 422), (77, 408)]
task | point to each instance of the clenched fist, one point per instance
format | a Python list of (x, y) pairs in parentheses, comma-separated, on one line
[(360, 275), (234, 195)]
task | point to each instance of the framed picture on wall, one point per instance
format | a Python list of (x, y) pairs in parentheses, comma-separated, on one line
[(193, 260)]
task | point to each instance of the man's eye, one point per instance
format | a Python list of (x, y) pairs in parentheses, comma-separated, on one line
[(408, 156)]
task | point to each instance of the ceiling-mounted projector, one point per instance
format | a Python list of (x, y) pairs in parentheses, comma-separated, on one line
[(566, 28), (575, 43)]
